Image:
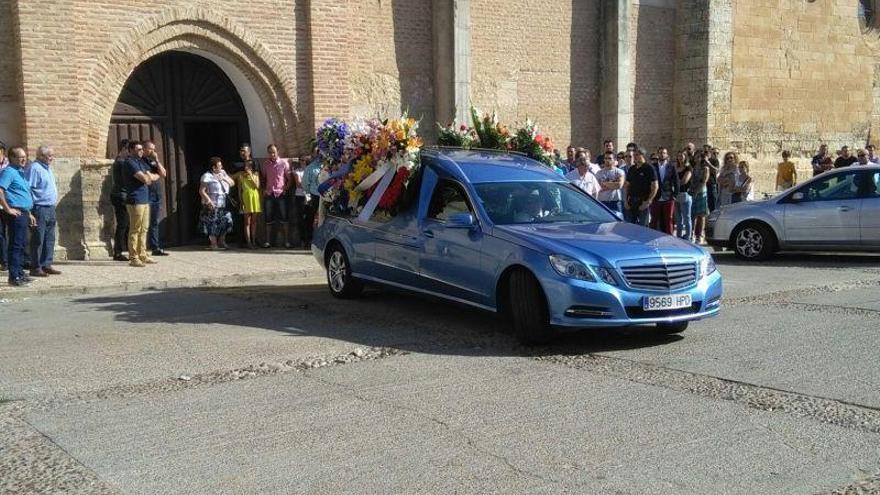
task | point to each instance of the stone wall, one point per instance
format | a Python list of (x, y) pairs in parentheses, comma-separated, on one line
[(652, 49), (802, 73), (539, 60), (390, 60)]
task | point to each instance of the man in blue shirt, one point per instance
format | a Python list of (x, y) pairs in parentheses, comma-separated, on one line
[(4, 260), (138, 177), (310, 185), (45, 196), (16, 201)]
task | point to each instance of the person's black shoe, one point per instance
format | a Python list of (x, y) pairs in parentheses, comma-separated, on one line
[(26, 279), (18, 282), (159, 252), (120, 257), (39, 273), (4, 268)]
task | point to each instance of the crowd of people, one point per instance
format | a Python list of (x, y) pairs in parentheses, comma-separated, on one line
[(28, 196), (280, 190), (670, 194), (676, 195)]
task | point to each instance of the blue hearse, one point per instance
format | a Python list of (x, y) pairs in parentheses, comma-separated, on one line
[(503, 233)]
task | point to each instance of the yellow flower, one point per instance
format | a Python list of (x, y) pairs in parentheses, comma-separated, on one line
[(414, 144)]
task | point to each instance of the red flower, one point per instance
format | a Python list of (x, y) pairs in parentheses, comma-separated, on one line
[(395, 189)]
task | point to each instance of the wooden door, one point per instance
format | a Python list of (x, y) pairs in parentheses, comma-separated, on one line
[(165, 98)]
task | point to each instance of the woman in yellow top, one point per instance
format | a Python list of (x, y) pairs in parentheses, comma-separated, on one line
[(786, 173), (248, 181)]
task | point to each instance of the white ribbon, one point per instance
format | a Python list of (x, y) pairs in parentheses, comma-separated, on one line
[(374, 177), (373, 202)]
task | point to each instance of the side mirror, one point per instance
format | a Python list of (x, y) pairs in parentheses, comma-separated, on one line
[(461, 221), (797, 197)]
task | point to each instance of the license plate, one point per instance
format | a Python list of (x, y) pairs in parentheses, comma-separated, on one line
[(660, 303)]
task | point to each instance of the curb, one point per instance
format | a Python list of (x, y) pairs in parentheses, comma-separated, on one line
[(233, 280)]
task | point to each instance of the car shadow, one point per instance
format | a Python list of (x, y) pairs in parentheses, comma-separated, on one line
[(380, 318)]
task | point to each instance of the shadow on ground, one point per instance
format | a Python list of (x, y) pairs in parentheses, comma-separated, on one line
[(380, 318)]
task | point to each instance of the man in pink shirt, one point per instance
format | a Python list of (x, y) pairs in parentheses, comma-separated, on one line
[(276, 184)]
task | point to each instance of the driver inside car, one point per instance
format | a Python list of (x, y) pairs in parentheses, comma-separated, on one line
[(529, 208)]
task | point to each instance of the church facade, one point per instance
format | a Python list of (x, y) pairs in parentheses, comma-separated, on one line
[(200, 77)]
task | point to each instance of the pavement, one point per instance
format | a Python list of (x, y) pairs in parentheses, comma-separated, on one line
[(184, 267), (275, 387)]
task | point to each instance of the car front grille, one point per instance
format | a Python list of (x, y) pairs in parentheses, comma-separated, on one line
[(660, 277)]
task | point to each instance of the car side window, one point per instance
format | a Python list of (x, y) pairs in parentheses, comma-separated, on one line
[(868, 185), (448, 198), (834, 188)]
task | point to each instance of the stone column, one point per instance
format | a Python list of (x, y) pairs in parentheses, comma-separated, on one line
[(452, 60), (98, 220), (704, 51), (616, 91)]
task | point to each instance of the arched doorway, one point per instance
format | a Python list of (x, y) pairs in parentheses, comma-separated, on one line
[(188, 106)]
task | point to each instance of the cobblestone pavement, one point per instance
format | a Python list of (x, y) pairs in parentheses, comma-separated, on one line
[(274, 387)]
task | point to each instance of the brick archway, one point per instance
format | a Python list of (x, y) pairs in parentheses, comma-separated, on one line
[(191, 29)]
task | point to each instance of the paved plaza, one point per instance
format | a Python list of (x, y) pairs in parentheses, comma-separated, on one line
[(224, 379)]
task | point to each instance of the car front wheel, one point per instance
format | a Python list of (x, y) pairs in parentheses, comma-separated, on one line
[(529, 315), (753, 242), (339, 279)]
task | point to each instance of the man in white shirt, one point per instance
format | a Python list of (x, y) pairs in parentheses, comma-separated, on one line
[(583, 178), (611, 181), (873, 159)]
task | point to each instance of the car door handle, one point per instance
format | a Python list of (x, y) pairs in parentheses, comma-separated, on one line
[(428, 233), (844, 208)]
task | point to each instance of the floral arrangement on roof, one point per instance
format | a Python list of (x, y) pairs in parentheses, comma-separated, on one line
[(460, 136), (488, 133), (370, 163), (535, 145)]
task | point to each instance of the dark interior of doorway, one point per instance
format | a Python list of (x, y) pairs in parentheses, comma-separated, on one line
[(204, 140)]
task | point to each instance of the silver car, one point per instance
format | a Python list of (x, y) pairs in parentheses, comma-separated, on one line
[(836, 210)]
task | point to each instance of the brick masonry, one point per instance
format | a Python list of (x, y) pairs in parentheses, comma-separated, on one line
[(539, 60), (756, 76)]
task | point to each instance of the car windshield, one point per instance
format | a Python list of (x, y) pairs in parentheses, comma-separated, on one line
[(539, 202)]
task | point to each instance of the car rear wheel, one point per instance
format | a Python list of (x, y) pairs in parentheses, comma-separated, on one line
[(339, 279), (753, 242), (671, 328), (528, 311)]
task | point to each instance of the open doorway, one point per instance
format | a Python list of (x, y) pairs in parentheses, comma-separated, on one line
[(204, 140), (189, 107)]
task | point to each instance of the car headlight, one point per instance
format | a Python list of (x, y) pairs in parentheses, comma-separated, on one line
[(604, 274), (714, 216), (571, 268), (707, 266)]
